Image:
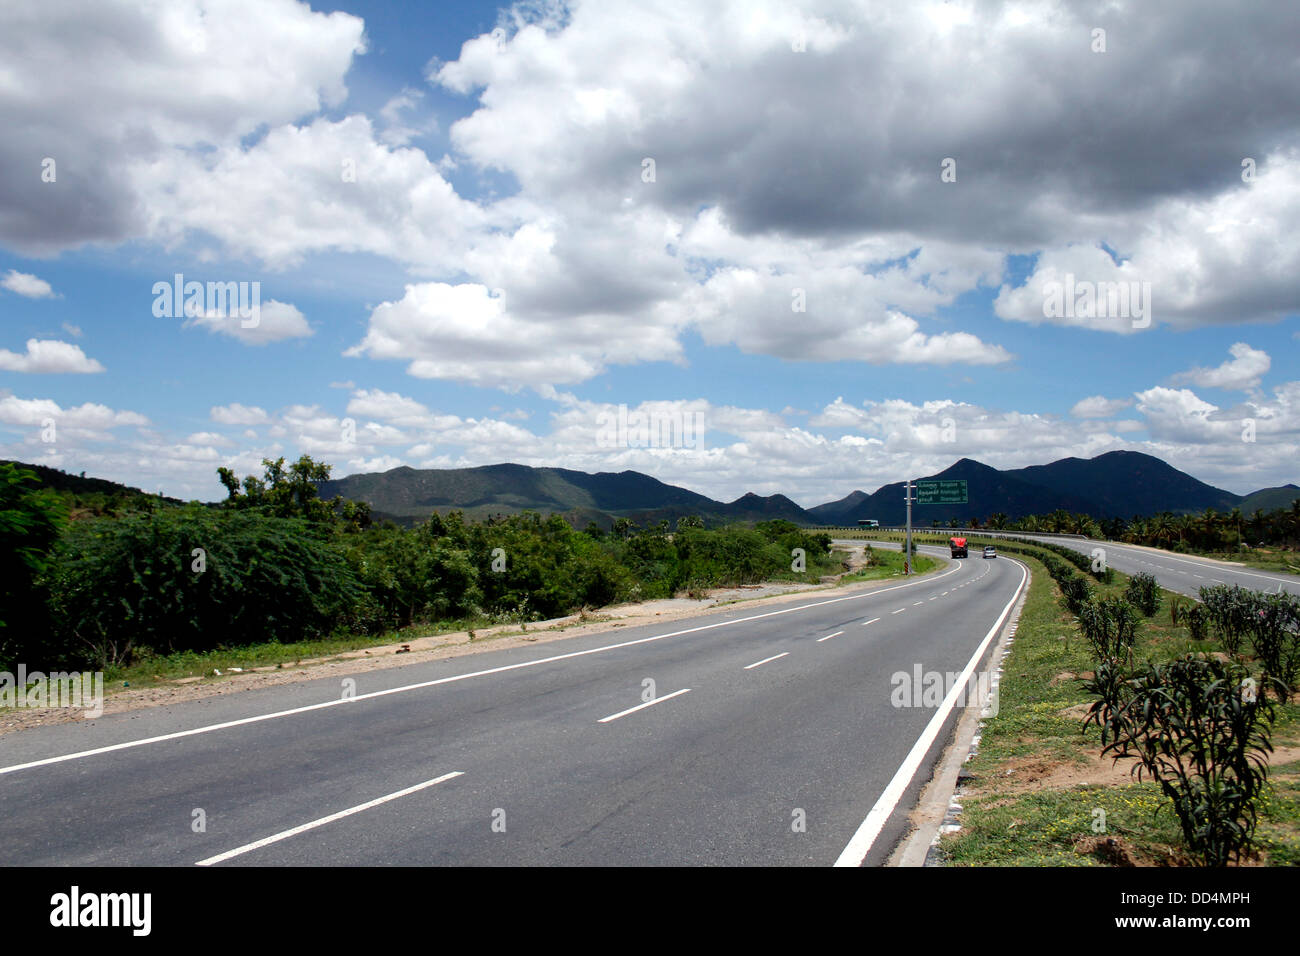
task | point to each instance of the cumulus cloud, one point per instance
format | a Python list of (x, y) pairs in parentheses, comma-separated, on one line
[(26, 284), (111, 88), (273, 322), (237, 414), (1098, 406), (49, 357), (1242, 372)]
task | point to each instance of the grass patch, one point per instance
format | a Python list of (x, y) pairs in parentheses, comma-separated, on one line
[(1044, 818), (888, 564)]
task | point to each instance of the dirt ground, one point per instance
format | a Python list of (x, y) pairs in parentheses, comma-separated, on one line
[(440, 647)]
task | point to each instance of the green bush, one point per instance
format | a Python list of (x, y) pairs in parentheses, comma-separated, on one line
[(1194, 726), (1229, 610), (1275, 636), (118, 584), (1143, 593), (30, 522), (1110, 627), (1075, 592)]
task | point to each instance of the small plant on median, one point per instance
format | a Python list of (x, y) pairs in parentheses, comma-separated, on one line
[(1143, 593), (1228, 608), (1275, 635), (1192, 616), (1196, 727), (1075, 592), (1110, 627)]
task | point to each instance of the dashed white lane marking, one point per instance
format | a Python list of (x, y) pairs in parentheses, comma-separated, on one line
[(899, 611), (829, 636), (766, 660), (872, 621), (351, 701), (917, 603), (285, 834), (649, 703)]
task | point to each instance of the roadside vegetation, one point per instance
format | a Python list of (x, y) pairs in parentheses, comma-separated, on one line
[(137, 588), (1138, 727)]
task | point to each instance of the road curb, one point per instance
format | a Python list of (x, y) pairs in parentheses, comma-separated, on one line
[(938, 809)]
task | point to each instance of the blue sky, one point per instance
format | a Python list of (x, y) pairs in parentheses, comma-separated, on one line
[(499, 275)]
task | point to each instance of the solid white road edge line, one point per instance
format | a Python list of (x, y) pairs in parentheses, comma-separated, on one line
[(648, 703), (226, 725), (767, 660), (285, 834), (862, 840)]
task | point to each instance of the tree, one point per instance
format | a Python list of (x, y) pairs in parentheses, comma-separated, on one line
[(291, 492), (31, 520)]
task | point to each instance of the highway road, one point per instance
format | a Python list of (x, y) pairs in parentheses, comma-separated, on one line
[(774, 736), (1178, 572)]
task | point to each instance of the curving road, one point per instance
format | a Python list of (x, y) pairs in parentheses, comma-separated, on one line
[(774, 736), (1178, 572)]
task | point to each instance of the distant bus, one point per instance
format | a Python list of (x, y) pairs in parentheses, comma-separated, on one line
[(868, 523)]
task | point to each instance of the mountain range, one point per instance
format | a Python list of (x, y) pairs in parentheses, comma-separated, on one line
[(1116, 484)]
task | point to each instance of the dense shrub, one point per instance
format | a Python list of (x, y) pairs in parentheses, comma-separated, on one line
[(192, 579), (30, 521)]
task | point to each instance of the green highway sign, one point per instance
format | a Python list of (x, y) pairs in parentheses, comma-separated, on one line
[(941, 492)]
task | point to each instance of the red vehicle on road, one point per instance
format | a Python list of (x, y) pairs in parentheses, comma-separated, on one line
[(958, 547)]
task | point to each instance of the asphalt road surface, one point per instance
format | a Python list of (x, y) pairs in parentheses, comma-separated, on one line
[(772, 738), (1178, 572)]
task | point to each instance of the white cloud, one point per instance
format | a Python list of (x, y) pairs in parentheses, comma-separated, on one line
[(272, 322), (209, 438), (49, 357), (28, 285), (1242, 372), (113, 89), (1098, 406), (88, 422), (237, 414), (73, 330)]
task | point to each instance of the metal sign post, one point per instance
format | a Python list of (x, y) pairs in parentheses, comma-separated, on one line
[(907, 547)]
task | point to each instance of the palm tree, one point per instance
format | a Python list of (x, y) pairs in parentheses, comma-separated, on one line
[(1162, 528)]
